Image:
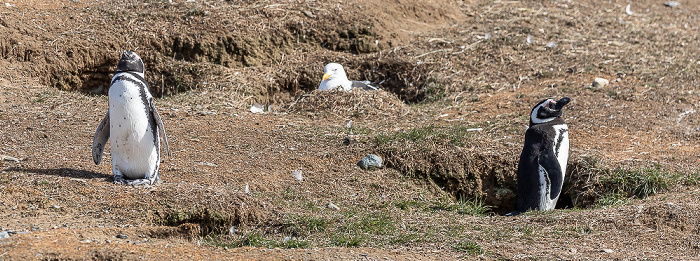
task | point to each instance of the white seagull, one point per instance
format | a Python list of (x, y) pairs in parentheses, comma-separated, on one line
[(334, 78)]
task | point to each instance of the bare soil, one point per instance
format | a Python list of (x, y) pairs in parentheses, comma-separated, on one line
[(458, 81)]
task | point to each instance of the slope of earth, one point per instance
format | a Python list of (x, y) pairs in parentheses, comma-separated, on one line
[(459, 80)]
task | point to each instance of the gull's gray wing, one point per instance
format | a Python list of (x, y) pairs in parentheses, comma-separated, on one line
[(100, 140), (365, 85)]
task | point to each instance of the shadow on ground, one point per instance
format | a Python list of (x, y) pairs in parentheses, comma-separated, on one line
[(64, 172)]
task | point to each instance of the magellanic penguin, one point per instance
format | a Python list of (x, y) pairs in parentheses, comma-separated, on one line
[(543, 160), (334, 78), (133, 123)]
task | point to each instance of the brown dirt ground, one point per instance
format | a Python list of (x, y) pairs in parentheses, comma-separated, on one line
[(443, 63)]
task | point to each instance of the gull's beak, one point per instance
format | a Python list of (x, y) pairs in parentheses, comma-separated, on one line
[(326, 76)]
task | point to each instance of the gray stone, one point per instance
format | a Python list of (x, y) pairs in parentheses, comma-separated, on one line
[(371, 161), (600, 82), (4, 234), (332, 206), (672, 4)]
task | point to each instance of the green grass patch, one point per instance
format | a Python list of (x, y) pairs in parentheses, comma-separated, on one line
[(347, 240), (639, 183), (469, 247), (475, 207), (254, 239), (407, 204), (611, 199)]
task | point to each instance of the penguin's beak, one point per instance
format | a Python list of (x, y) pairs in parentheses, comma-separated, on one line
[(326, 76), (558, 105)]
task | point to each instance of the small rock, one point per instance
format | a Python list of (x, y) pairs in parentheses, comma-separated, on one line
[(4, 234), (122, 236), (332, 206), (257, 108), (672, 4), (551, 44), (297, 174), (600, 82), (371, 161), (349, 125), (247, 189), (208, 164), (606, 250), (309, 14), (56, 207)]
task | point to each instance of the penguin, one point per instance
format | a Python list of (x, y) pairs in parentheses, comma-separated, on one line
[(334, 78), (133, 123), (543, 160)]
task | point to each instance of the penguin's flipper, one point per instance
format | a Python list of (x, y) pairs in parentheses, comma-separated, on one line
[(549, 162), (365, 85), (100, 140), (159, 121)]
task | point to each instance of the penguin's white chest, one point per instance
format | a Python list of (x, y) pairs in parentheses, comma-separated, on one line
[(132, 138), (561, 145)]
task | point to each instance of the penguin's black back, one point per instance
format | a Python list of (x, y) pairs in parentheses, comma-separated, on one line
[(538, 138)]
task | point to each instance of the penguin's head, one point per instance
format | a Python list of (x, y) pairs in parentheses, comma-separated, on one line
[(130, 62), (547, 110)]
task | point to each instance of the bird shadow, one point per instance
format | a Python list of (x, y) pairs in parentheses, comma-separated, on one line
[(64, 172)]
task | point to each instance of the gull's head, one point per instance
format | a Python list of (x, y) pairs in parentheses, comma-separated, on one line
[(334, 71)]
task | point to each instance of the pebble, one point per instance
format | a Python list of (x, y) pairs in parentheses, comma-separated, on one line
[(232, 230), (606, 250), (332, 206), (600, 82), (309, 14), (257, 108), (4, 234), (122, 236), (672, 4), (297, 175), (371, 161)]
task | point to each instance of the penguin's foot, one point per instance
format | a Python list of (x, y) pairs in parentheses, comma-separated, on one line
[(514, 213), (118, 180), (118, 176), (137, 182)]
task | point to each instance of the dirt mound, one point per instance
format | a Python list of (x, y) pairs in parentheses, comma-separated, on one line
[(358, 104), (73, 56)]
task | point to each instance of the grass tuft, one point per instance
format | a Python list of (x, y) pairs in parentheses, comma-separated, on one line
[(469, 247), (640, 183)]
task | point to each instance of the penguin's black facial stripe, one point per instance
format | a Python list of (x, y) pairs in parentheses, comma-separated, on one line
[(545, 112)]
